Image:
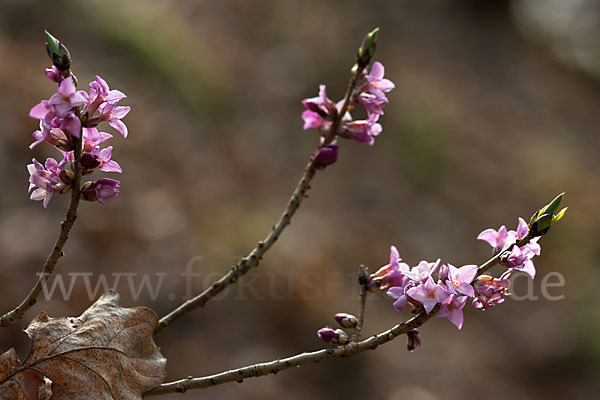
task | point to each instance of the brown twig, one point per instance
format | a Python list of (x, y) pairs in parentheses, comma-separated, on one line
[(57, 251), (349, 350), (363, 302), (253, 259), (274, 367)]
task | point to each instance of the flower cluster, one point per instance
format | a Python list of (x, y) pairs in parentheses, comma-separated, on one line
[(68, 119), (443, 288), (491, 291), (418, 288), (321, 112)]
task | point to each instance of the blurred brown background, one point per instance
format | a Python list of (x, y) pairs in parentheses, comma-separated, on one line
[(496, 110)]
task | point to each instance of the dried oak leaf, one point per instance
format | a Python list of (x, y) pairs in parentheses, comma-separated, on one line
[(106, 353)]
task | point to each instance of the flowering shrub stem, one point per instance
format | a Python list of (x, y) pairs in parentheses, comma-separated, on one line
[(253, 259), (273, 367), (349, 350), (363, 302), (57, 250), (336, 122)]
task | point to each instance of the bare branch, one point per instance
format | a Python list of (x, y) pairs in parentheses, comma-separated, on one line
[(363, 302), (349, 350), (57, 250), (273, 367), (253, 259)]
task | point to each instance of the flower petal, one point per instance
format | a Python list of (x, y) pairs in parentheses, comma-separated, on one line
[(40, 110), (467, 273), (119, 125), (111, 166), (377, 70), (456, 317), (490, 236), (66, 87)]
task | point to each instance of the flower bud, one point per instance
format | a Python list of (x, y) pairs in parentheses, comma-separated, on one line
[(325, 156), (66, 177), (64, 189), (543, 219), (89, 161), (102, 190), (413, 340), (54, 74), (333, 336), (483, 278), (314, 107), (443, 273), (541, 225), (346, 320), (58, 53), (367, 49)]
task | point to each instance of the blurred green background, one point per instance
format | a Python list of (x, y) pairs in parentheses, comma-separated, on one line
[(496, 110)]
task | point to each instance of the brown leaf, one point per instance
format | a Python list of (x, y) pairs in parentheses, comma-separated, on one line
[(106, 353)]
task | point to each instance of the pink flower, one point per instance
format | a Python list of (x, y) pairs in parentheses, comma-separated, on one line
[(102, 190), (429, 294), (99, 89), (40, 110), (398, 293), (106, 164), (391, 274), (113, 115), (319, 111), (392, 277), (44, 180), (520, 257), (423, 271), (499, 240), (459, 279), (60, 123), (66, 98), (452, 309), (94, 157), (522, 229), (56, 131), (375, 81), (99, 159), (363, 131), (104, 101), (372, 103), (99, 94), (490, 291), (502, 238), (92, 138), (314, 120)]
